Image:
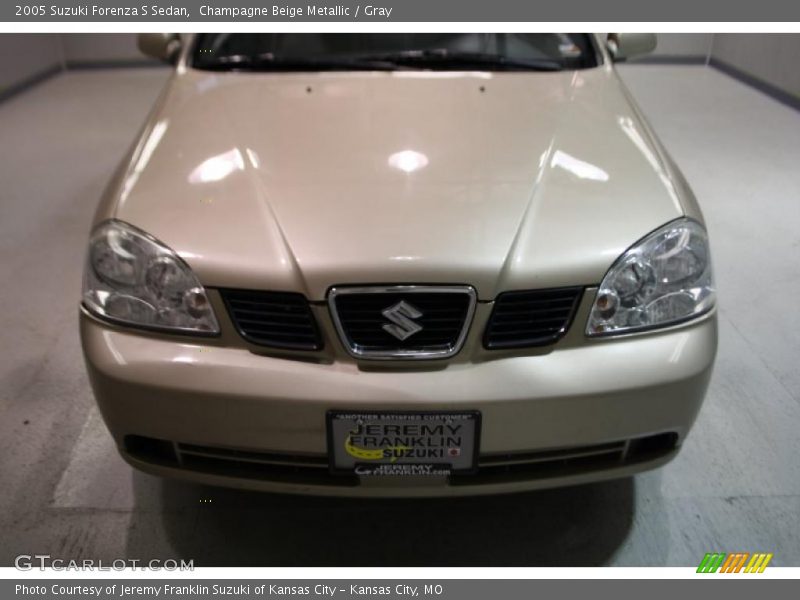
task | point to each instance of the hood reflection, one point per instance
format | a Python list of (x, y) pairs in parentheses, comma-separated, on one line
[(408, 161), (145, 153), (217, 167), (578, 167)]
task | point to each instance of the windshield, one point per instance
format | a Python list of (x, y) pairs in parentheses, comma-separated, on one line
[(391, 51)]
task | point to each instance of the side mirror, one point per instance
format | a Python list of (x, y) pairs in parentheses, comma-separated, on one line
[(163, 46), (627, 45)]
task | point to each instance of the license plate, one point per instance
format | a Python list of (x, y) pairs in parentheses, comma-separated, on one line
[(403, 443)]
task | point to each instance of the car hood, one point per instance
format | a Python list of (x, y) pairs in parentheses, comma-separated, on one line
[(305, 181)]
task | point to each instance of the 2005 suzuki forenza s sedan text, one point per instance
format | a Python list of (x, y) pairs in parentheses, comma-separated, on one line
[(398, 264)]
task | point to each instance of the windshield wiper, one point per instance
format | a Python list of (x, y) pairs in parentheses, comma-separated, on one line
[(270, 62), (446, 59)]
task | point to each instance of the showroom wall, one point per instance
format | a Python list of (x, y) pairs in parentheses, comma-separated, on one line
[(32, 57), (96, 49), (28, 58), (695, 46), (767, 57)]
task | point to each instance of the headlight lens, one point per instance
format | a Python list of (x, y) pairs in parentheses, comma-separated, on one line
[(664, 279), (134, 279)]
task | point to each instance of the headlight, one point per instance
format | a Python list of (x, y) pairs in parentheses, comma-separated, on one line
[(135, 280), (664, 279)]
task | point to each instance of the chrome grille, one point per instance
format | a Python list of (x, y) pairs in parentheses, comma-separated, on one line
[(436, 320)]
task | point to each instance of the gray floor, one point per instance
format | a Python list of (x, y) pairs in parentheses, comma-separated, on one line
[(735, 487)]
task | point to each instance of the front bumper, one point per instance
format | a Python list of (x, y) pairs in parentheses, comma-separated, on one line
[(226, 416)]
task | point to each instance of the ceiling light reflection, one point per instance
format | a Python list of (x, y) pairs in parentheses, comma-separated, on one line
[(578, 167), (217, 167), (408, 161)]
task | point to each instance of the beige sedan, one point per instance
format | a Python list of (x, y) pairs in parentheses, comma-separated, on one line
[(398, 265)]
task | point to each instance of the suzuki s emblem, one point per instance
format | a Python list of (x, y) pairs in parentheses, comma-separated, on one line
[(401, 315)]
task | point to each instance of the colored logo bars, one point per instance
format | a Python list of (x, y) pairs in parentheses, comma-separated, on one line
[(734, 563)]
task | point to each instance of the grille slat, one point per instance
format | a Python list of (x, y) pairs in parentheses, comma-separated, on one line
[(515, 335), (258, 323), (286, 336), (535, 301), (260, 306), (354, 312), (368, 328), (530, 318), (512, 315), (445, 315), (276, 319), (371, 322), (260, 314), (532, 321)]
